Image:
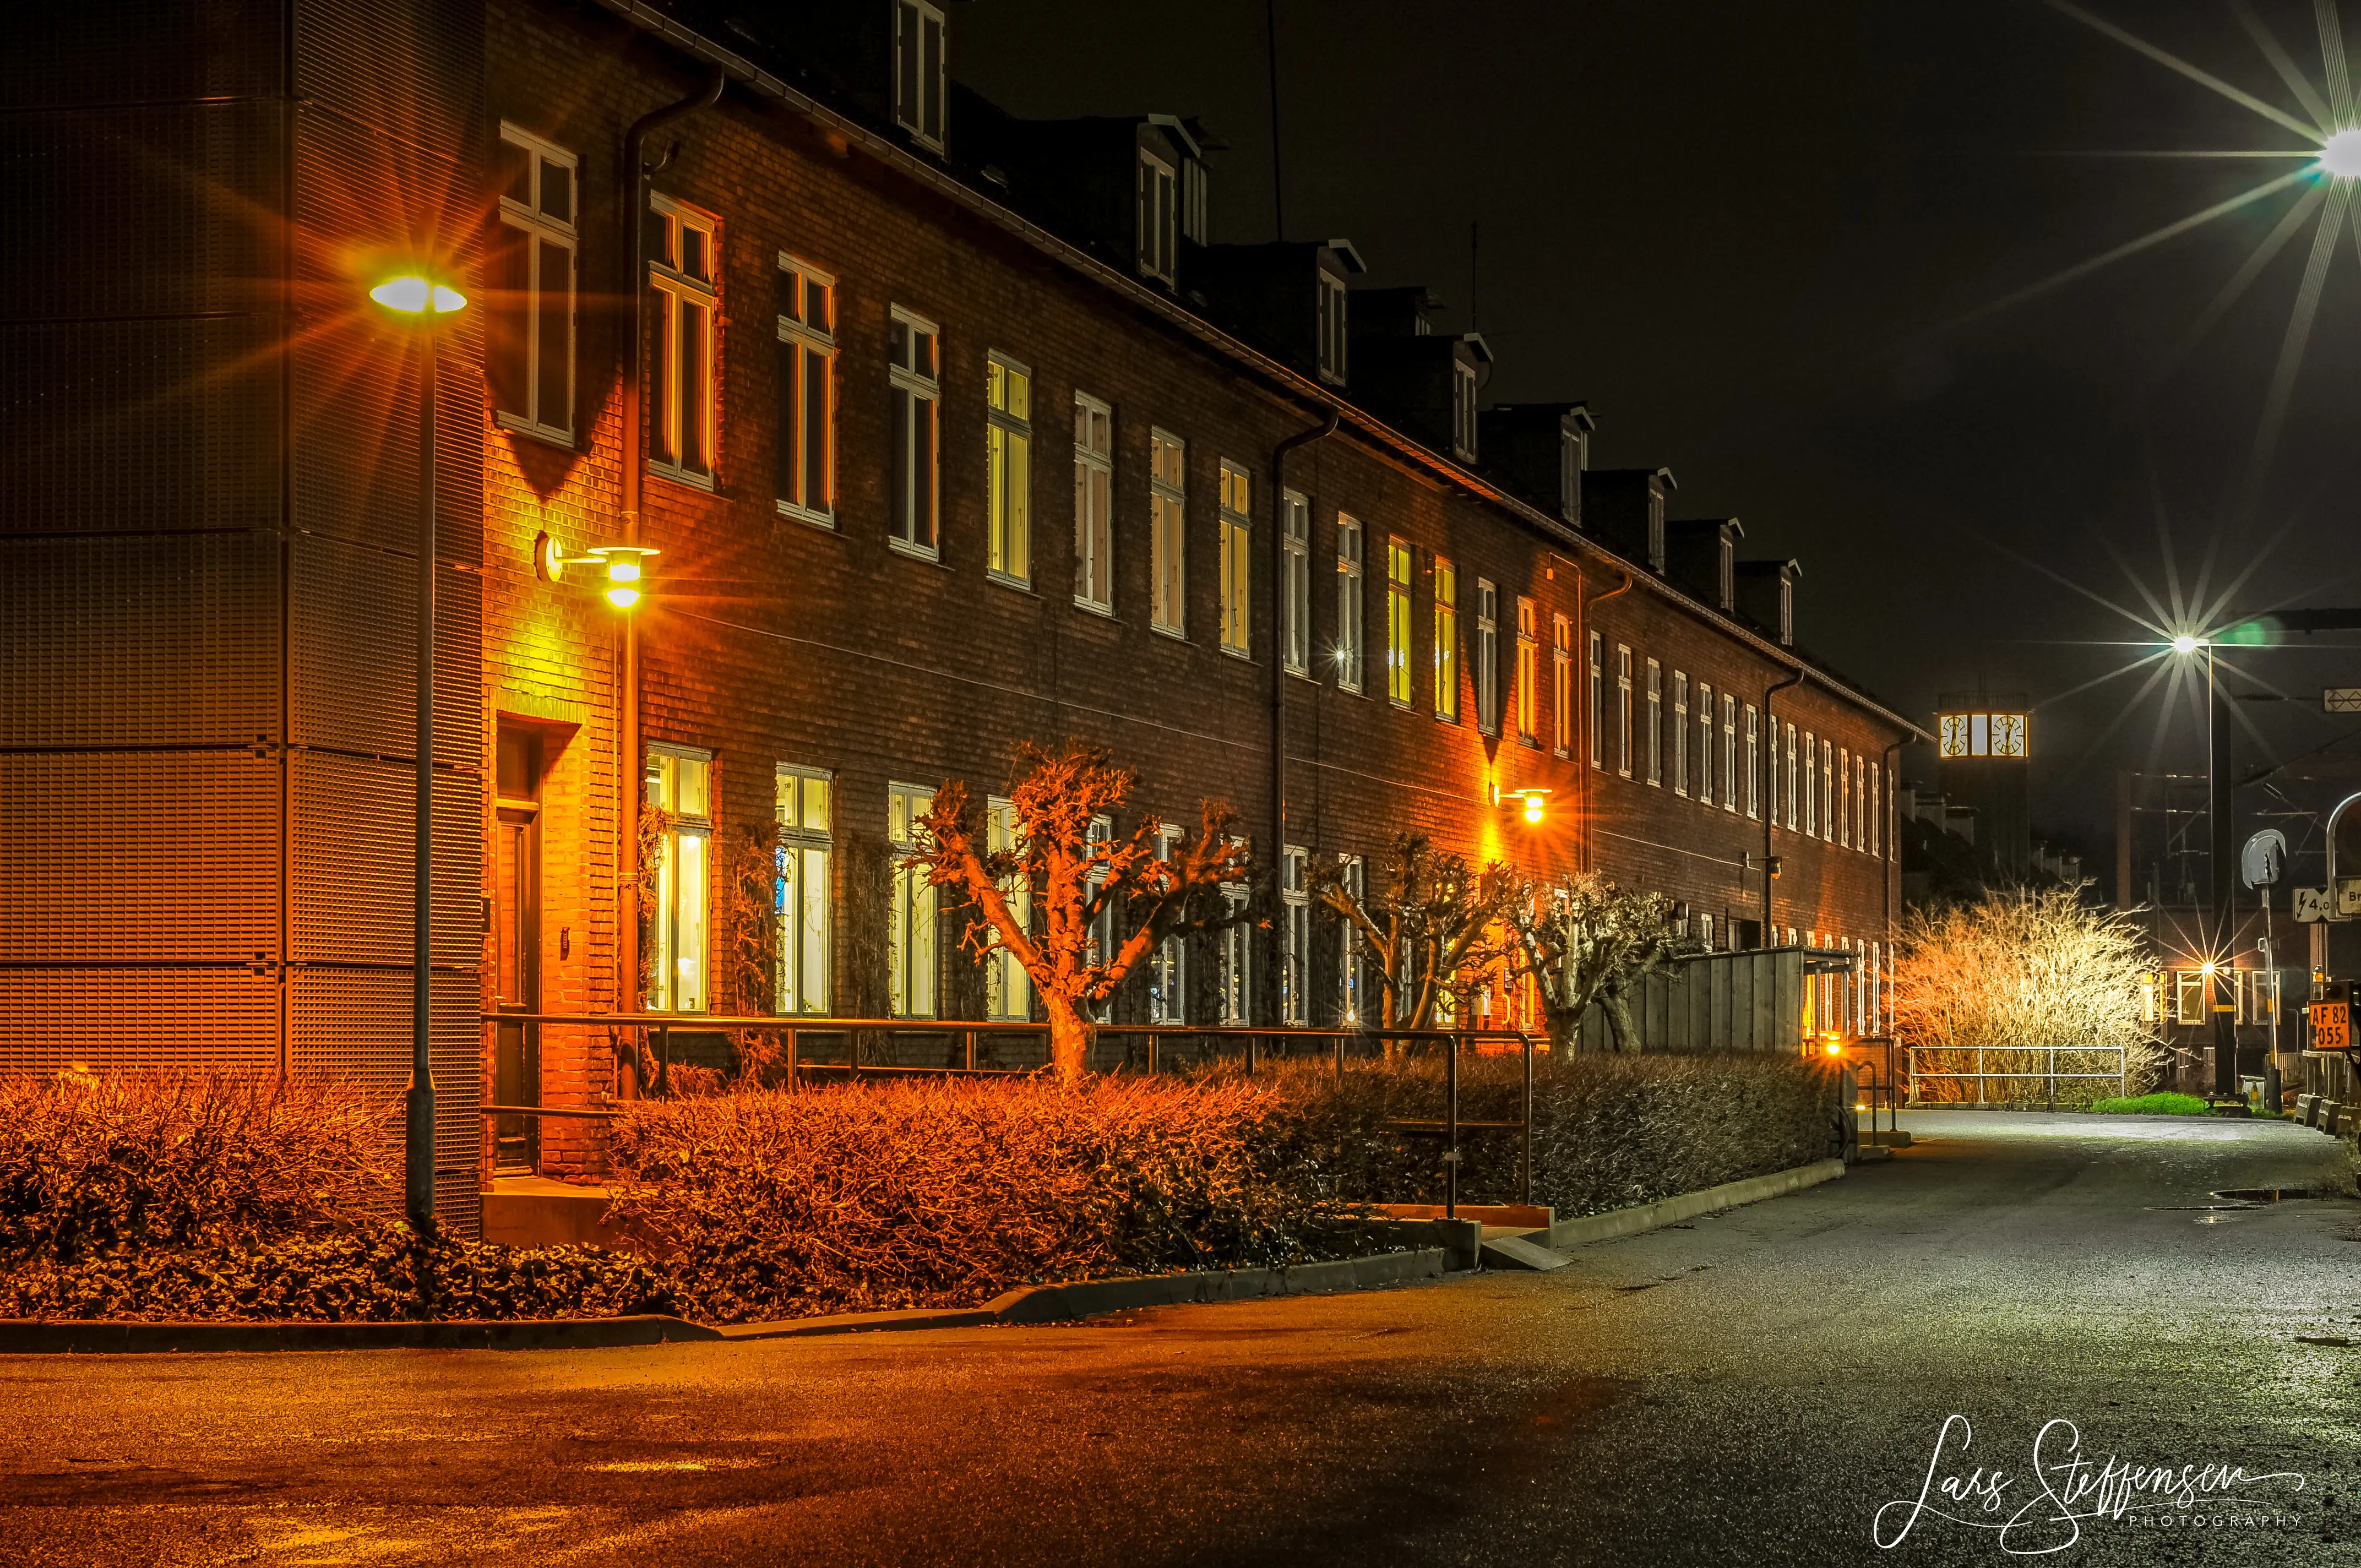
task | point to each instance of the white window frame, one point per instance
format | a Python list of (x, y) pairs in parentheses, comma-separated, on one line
[(801, 340), (1332, 334), (1167, 965), (1167, 517), (1008, 471), (1593, 715), (1730, 752), (1294, 938), (683, 292), (1488, 657), (1102, 947), (1093, 504), (912, 938), (1352, 545), (1159, 217), (1705, 744), (1753, 763), (1007, 989), (1462, 411), (1681, 733), (1562, 685), (1234, 517), (1351, 961), (1792, 786), (804, 960), (1828, 791), (1527, 698), (1234, 956), (1295, 596), (913, 498), (1844, 797), (1656, 725), (1573, 457), (1877, 809), (535, 230), (1447, 639), (1811, 786), (919, 94), (1401, 634), (682, 933), (1623, 710)]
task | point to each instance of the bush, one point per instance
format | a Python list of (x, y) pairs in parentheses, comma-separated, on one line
[(89, 1162), (2160, 1105), (1609, 1130), (854, 1198)]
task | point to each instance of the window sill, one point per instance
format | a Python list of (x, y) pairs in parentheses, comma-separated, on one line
[(1103, 612), (1174, 632), (908, 551), (1015, 585), (1243, 655), (807, 515), (683, 476), (561, 439)]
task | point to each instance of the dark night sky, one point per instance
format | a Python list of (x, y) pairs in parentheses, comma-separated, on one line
[(1745, 233)]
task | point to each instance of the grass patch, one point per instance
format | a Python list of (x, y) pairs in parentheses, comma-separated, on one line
[(2163, 1103)]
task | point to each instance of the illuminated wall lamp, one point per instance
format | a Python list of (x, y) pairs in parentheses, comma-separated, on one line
[(625, 566), (1528, 801)]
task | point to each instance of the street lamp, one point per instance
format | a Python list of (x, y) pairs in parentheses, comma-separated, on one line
[(424, 303), (2340, 155), (2217, 829)]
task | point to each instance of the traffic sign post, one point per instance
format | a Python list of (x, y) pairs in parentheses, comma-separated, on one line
[(2312, 904)]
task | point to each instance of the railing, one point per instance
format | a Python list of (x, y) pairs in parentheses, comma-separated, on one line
[(1336, 1044), (2050, 1075)]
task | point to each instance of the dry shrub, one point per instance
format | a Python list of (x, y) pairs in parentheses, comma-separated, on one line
[(91, 1162), (1609, 1131), (854, 1198)]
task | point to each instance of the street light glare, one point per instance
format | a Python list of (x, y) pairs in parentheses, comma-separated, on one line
[(2185, 643), (413, 295), (2341, 155)]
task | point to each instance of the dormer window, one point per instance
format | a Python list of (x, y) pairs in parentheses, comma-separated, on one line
[(918, 70), (1655, 528), (1192, 203), (1573, 457), (1727, 579), (1332, 328), (1159, 217), (1463, 419)]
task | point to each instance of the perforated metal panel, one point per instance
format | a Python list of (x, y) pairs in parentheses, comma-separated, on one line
[(354, 867), (51, 1018), (411, 68), (139, 857), (108, 427), (169, 641), (352, 637), (77, 53), (356, 1025)]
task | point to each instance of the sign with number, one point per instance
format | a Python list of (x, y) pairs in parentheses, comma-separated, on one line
[(2332, 1025), (2349, 896), (2313, 906)]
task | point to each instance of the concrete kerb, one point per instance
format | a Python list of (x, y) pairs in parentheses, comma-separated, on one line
[(1617, 1222)]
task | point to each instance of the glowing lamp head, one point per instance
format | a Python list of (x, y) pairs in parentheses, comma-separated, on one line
[(2207, 969), (2185, 643), (1836, 1045), (414, 296), (2340, 155), (624, 564), (623, 596), (1533, 808)]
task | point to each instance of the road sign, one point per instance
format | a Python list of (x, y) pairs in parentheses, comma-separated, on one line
[(2340, 699), (2348, 897), (2332, 1025), (2264, 858), (2313, 906)]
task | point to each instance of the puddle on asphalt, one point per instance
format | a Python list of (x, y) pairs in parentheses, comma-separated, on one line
[(2247, 1199)]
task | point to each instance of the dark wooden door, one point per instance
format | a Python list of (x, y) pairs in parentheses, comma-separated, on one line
[(516, 934)]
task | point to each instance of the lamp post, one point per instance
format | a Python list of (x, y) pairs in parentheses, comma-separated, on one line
[(2219, 855), (425, 303)]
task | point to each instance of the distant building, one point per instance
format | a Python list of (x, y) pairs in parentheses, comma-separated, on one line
[(1983, 744)]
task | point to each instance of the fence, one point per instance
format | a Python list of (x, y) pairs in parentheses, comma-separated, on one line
[(1752, 1000), (2049, 1074), (856, 1038)]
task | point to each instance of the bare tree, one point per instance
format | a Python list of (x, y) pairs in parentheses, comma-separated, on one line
[(2020, 973), (1584, 939), (1077, 882), (1432, 924)]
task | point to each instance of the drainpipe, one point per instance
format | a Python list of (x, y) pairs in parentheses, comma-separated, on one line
[(1279, 629), (1769, 819), (1887, 870), (634, 465), (1583, 767)]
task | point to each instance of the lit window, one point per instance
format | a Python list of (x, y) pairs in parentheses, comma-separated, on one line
[(1159, 217), (1294, 939), (802, 889), (910, 922), (1705, 743), (1680, 732), (1753, 763), (1398, 675), (1007, 989), (1166, 512), (1655, 723), (1295, 602), (683, 272), (1488, 657), (1446, 639), (1331, 327), (1348, 604), (1528, 672), (678, 781), (1728, 752), (528, 331), (1597, 705), (914, 368), (1093, 504), (1561, 695), (2189, 996), (1238, 559), (806, 445), (918, 70), (1008, 470), (1168, 968)]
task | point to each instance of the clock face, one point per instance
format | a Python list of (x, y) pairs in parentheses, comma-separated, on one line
[(2008, 735), (1955, 735)]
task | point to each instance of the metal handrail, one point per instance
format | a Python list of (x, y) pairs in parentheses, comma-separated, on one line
[(2122, 1075), (795, 1024)]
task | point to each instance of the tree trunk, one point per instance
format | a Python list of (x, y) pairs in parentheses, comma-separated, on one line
[(1070, 1035), (1621, 1037)]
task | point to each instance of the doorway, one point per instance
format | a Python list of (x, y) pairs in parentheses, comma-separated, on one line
[(516, 935)]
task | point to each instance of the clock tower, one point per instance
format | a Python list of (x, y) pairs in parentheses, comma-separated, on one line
[(1984, 744)]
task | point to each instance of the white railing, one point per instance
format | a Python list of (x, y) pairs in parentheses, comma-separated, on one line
[(2049, 1075)]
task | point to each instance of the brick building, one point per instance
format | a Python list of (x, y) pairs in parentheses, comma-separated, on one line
[(949, 431)]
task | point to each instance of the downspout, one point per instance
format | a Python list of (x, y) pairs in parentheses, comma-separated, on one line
[(1278, 628), (1770, 817), (634, 465), (1587, 768)]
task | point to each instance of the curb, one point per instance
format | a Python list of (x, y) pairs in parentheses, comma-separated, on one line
[(1687, 1205), (29, 1336)]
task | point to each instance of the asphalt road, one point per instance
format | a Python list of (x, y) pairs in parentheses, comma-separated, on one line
[(1747, 1389)]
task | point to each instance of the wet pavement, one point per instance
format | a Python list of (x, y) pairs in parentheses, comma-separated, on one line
[(1746, 1388)]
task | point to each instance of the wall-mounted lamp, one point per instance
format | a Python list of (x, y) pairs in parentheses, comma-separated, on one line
[(623, 567), (1528, 801), (414, 296)]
